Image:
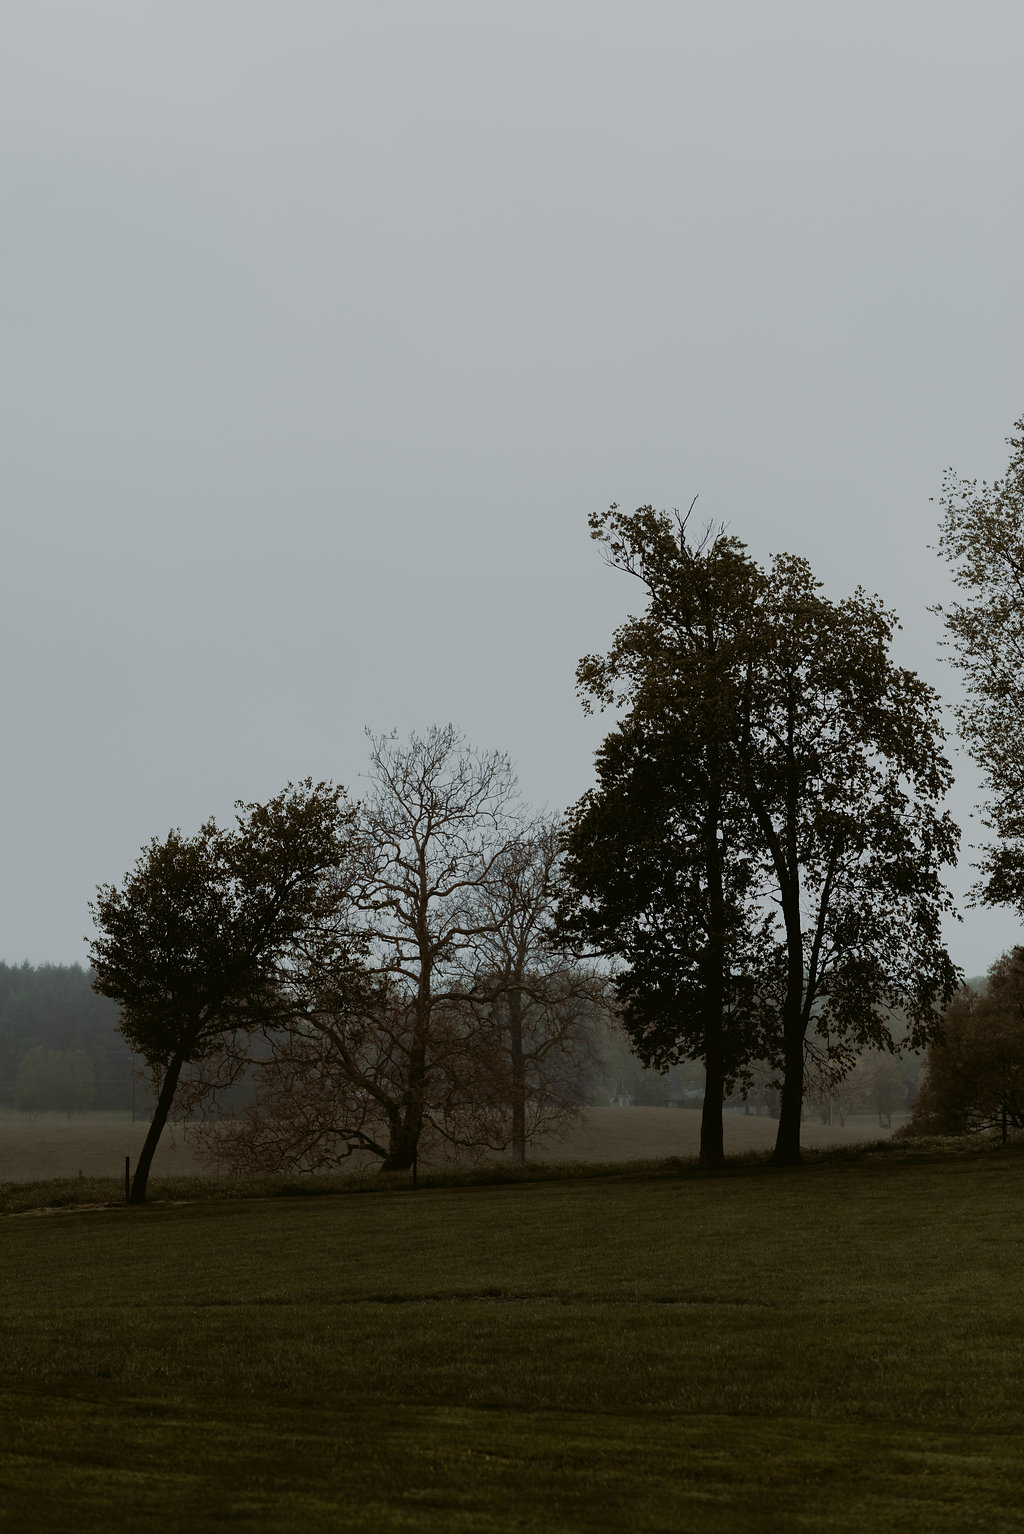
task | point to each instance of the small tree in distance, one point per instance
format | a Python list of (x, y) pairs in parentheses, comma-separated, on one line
[(975, 1072)]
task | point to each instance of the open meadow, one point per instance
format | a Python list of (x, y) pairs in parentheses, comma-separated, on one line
[(95, 1144), (836, 1348)]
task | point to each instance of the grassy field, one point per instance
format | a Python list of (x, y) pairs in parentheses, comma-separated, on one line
[(837, 1348), (95, 1145)]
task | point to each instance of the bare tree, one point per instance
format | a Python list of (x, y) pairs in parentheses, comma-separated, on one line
[(371, 1070), (536, 1001)]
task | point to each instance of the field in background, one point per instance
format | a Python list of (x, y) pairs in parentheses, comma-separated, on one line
[(830, 1349), (95, 1145)]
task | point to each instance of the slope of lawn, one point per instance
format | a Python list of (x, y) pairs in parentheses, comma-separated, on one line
[(835, 1348)]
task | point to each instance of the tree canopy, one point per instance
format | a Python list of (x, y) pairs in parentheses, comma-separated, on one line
[(209, 934)]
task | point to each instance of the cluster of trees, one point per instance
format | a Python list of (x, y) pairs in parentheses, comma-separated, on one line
[(755, 880), (375, 970), (763, 851), (764, 848)]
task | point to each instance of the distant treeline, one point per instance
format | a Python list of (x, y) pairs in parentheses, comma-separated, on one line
[(50, 1017), (53, 1008)]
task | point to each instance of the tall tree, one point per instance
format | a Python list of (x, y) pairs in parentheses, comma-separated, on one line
[(661, 882), (659, 854), (774, 762), (982, 538), (208, 935), (839, 755)]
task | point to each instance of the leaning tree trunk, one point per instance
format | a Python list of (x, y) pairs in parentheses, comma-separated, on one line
[(168, 1087)]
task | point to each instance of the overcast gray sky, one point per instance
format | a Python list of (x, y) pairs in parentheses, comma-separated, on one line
[(325, 326)]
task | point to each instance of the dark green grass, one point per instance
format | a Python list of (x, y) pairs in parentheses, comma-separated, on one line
[(836, 1348), (127, 1463)]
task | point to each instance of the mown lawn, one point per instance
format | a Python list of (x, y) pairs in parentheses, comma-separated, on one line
[(837, 1348)]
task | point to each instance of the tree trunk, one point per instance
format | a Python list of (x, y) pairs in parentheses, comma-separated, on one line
[(401, 1154), (518, 1084), (794, 1021), (168, 1088), (712, 1137), (787, 1141), (406, 1124), (403, 1140)]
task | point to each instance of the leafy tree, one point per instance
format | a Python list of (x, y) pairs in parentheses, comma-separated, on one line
[(58, 1079), (660, 864), (765, 844), (209, 935), (660, 880), (839, 753), (975, 1072), (982, 538)]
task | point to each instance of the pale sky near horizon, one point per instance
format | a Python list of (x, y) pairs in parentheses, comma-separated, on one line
[(326, 325)]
